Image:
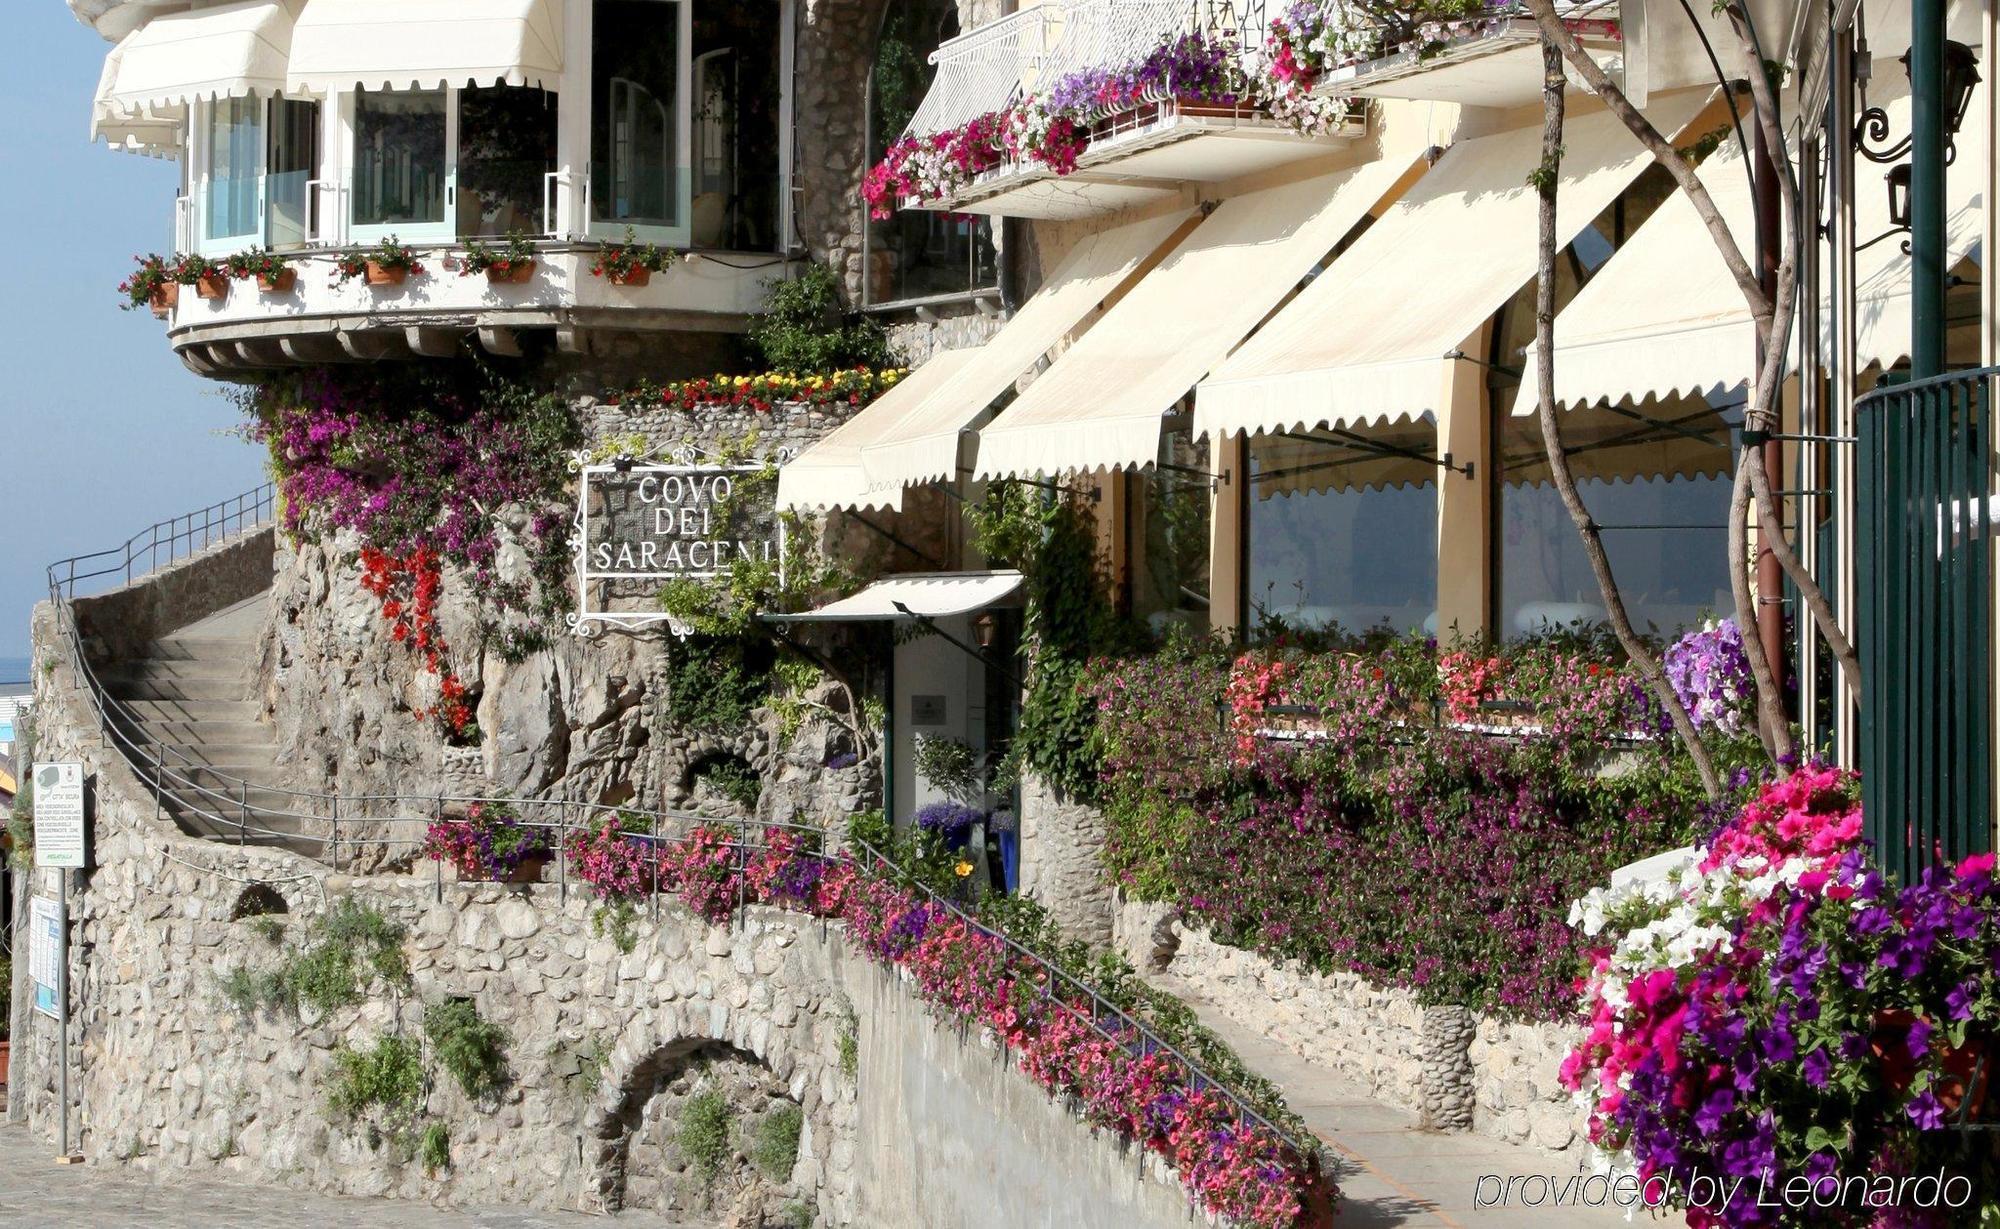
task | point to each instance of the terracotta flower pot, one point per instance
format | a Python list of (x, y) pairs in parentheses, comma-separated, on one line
[(164, 298), (212, 286), (280, 283), (1890, 1045), (510, 274), (637, 277), (386, 275)]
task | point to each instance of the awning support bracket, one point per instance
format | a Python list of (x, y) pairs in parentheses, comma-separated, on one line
[(1361, 443), (930, 625), (894, 539), (1212, 480)]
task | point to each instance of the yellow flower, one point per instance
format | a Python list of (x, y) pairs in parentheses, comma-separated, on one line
[(963, 869)]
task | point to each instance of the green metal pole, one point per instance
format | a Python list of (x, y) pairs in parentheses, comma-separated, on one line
[(1927, 152)]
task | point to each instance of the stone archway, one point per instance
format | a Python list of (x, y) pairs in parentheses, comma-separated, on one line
[(702, 1128)]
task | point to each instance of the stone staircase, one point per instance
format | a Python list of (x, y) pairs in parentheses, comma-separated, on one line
[(193, 694)]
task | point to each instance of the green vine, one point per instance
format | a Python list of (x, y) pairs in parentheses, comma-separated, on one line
[(471, 1048)]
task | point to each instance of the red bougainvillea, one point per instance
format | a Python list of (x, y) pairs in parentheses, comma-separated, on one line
[(407, 586)]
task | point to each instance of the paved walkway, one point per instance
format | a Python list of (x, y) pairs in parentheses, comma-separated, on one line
[(37, 1193), (1393, 1174)]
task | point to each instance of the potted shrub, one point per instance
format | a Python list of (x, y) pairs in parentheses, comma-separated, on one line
[(209, 279), (630, 263), (489, 842), (151, 285), (386, 264), (510, 265), (273, 272)]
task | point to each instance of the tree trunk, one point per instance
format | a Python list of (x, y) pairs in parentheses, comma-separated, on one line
[(1547, 179), (1772, 314)]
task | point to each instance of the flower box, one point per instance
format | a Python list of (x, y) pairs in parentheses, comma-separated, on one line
[(280, 283), (631, 277), (380, 274), (163, 299), (212, 286), (512, 273)]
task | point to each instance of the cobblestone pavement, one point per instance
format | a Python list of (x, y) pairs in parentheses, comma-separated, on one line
[(37, 1193)]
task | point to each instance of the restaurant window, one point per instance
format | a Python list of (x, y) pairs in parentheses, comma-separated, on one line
[(292, 159), (234, 165), (736, 98), (1340, 527), (1655, 476), (402, 164), (1166, 544), (638, 164), (506, 149), (917, 253)]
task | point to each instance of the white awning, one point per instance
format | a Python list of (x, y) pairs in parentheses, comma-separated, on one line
[(1366, 342), (928, 595), (140, 130), (427, 44), (223, 51), (828, 474), (923, 447), (1664, 318), (1099, 406)]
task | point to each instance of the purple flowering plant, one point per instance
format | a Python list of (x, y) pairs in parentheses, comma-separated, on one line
[(1711, 675), (1778, 1012)]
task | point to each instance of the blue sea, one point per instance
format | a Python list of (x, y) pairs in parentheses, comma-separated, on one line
[(13, 670)]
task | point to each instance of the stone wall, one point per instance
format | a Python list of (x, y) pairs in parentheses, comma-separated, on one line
[(586, 720), (124, 620), (1452, 1068), (933, 1131), (955, 1136), (1062, 841)]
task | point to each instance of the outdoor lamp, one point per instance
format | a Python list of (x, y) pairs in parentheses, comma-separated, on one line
[(1899, 195), (1961, 73), (984, 628)]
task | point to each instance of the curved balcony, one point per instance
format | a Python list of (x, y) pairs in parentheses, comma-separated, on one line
[(1162, 95), (313, 127), (439, 312), (1496, 61)]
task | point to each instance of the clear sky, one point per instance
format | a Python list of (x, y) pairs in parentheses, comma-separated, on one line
[(102, 431)]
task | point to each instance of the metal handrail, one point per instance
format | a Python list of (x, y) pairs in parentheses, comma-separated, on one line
[(224, 802), (178, 536)]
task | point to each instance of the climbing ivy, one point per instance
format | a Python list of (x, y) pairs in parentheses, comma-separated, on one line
[(1052, 538)]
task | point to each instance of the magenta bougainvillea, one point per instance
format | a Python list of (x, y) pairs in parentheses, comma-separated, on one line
[(1251, 790)]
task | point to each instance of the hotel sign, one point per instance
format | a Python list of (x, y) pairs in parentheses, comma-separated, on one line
[(640, 526)]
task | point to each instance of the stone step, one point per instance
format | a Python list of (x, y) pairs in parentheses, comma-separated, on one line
[(228, 649), (151, 668), (189, 734), (253, 757), (271, 807), (191, 711), (181, 689)]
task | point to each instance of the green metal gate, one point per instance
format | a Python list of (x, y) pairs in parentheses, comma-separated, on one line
[(1925, 588)]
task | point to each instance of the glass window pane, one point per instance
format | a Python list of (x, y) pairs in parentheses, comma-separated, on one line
[(235, 157), (294, 162), (1657, 478), (1167, 537), (399, 157), (635, 102), (736, 96), (506, 144), (918, 253), (1342, 529)]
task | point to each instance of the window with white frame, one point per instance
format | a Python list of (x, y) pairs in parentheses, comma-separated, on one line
[(402, 170), (639, 159), (232, 166)]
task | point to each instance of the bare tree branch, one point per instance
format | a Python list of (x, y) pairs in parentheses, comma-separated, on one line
[(1547, 180), (1772, 724)]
